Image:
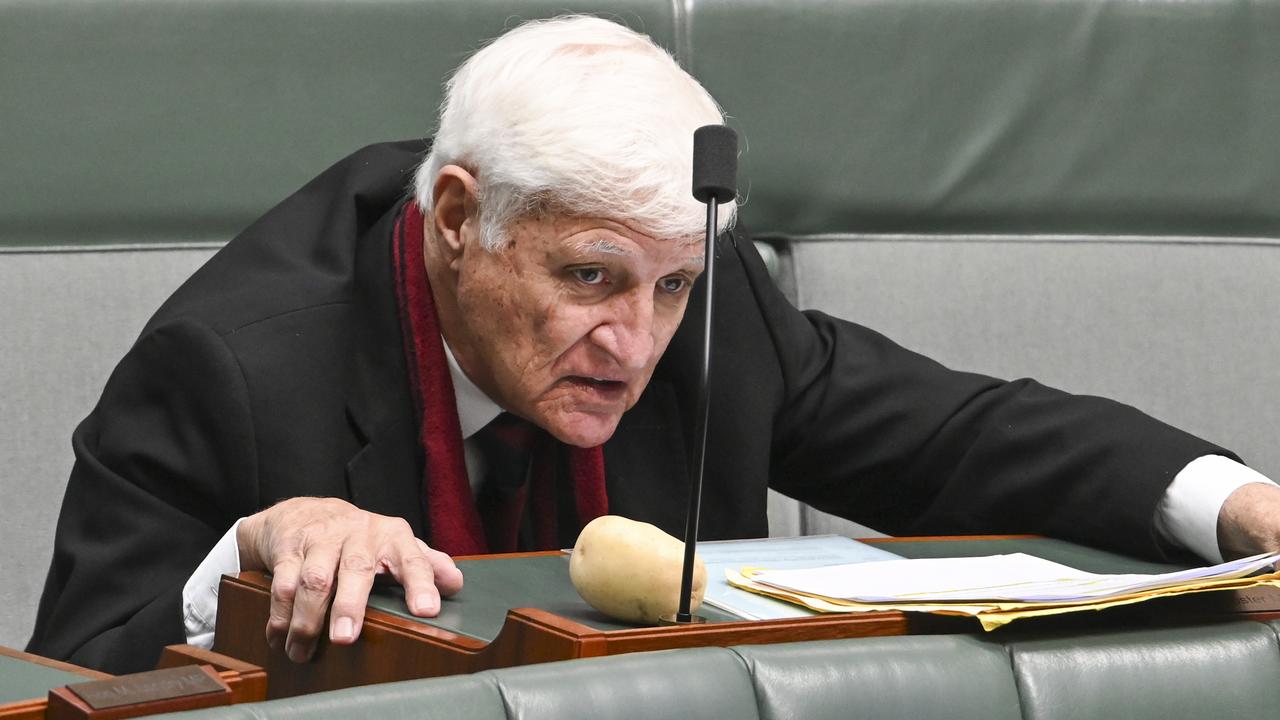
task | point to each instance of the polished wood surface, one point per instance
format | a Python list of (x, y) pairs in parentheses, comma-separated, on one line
[(25, 710), (393, 648), (246, 682), (140, 696), (54, 664)]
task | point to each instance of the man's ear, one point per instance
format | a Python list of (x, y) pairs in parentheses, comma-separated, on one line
[(454, 211)]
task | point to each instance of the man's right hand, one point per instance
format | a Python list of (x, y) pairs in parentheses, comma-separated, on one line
[(322, 549)]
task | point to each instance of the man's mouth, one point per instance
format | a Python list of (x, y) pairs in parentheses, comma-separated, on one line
[(603, 386)]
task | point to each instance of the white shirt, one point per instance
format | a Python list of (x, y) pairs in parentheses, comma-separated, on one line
[(1187, 515)]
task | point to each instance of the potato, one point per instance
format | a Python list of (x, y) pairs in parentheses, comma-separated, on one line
[(630, 570)]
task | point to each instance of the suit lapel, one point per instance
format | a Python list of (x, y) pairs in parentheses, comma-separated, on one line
[(385, 476), (646, 470)]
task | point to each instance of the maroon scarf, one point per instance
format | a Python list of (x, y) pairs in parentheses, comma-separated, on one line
[(456, 525)]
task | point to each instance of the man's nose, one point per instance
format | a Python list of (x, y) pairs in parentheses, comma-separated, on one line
[(627, 334)]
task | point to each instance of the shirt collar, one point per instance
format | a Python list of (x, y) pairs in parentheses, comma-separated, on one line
[(475, 409)]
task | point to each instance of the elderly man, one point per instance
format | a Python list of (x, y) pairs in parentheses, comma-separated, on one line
[(332, 396)]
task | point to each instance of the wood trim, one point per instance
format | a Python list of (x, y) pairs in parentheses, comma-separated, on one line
[(24, 710), (54, 664), (248, 682), (393, 648), (65, 704), (500, 556), (34, 708)]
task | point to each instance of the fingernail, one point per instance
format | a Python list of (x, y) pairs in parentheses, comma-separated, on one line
[(344, 629), (298, 652), (425, 603)]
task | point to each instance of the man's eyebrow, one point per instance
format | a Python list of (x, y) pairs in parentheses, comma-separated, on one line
[(609, 247), (600, 245)]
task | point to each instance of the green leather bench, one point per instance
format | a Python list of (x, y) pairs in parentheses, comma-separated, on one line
[(1085, 191), (138, 136), (1218, 671)]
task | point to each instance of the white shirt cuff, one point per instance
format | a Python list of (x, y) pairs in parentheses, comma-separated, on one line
[(1188, 513), (200, 594)]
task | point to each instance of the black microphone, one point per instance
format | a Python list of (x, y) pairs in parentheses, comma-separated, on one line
[(715, 164), (715, 181)]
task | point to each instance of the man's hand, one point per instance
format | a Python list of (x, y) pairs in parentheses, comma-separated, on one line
[(319, 549), (1249, 522)]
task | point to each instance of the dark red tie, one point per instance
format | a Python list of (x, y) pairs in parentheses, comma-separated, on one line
[(506, 444)]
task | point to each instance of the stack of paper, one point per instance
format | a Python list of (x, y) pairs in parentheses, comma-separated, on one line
[(997, 589), (721, 556)]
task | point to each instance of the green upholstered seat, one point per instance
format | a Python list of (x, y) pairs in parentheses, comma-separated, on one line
[(947, 677), (463, 697), (1000, 116), (1221, 670), (153, 121), (1085, 192), (1230, 671), (697, 684)]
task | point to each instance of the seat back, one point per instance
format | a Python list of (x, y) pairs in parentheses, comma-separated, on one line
[(1084, 192), (1223, 670), (139, 136)]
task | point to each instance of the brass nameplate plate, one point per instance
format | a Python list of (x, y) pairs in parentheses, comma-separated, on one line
[(179, 682)]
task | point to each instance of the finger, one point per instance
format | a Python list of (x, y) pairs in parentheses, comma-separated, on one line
[(356, 571), (448, 577), (311, 601), (426, 575), (408, 563), (284, 585)]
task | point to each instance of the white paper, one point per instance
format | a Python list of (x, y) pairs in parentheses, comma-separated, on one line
[(796, 552), (998, 578)]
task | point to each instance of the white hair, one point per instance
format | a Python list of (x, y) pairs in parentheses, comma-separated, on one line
[(577, 116)]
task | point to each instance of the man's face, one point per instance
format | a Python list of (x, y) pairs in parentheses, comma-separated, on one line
[(566, 324)]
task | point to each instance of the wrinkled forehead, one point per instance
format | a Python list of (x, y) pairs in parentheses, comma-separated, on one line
[(687, 255), (603, 240), (545, 207)]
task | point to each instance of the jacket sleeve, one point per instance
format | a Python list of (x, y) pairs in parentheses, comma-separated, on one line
[(164, 465), (884, 436)]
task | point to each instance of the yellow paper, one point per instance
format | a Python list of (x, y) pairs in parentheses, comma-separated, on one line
[(990, 615)]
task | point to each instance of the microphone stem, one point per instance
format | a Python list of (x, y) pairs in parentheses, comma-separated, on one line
[(683, 615)]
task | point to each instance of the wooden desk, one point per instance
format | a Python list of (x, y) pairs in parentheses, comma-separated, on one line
[(26, 680), (465, 638), (520, 609)]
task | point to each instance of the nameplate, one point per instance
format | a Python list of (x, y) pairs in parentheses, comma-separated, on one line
[(174, 687)]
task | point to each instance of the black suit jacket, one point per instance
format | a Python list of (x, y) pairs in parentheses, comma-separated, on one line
[(277, 371)]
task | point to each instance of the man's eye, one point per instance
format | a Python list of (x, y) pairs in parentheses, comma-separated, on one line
[(589, 276), (673, 285)]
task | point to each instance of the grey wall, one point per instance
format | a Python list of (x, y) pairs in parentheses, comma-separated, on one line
[(67, 318)]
